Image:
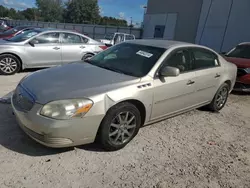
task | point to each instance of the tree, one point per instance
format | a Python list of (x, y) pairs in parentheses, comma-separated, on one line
[(30, 13), (3, 11), (79, 11), (50, 10), (113, 21)]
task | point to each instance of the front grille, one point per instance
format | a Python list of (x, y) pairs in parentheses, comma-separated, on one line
[(22, 100), (241, 72)]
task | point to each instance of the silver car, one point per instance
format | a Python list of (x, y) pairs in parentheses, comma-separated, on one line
[(45, 48), (119, 90)]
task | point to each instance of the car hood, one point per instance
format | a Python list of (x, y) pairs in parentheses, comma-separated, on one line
[(239, 62), (76, 80)]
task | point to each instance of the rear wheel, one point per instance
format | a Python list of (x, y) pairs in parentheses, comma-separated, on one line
[(220, 98), (9, 64), (120, 125)]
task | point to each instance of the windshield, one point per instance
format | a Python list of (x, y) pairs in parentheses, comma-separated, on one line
[(241, 51), (130, 59), (24, 36), (109, 36)]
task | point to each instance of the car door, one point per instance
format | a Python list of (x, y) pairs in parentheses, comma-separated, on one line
[(208, 74), (44, 50), (174, 94), (74, 47)]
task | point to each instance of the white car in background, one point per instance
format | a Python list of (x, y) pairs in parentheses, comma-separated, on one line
[(116, 38), (45, 48)]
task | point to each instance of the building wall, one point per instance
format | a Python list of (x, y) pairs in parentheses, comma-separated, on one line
[(180, 17), (218, 24), (224, 23)]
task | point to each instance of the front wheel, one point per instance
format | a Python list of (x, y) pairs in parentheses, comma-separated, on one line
[(9, 64), (120, 125), (220, 98)]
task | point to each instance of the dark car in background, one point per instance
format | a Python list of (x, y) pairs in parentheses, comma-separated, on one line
[(240, 56), (14, 31)]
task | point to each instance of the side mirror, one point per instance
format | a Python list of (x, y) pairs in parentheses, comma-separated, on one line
[(168, 71), (33, 42)]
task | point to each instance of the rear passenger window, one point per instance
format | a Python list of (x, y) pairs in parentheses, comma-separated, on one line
[(204, 59)]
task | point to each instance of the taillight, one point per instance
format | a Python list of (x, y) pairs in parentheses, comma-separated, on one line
[(103, 47)]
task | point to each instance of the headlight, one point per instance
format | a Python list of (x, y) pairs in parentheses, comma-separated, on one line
[(66, 109), (248, 70)]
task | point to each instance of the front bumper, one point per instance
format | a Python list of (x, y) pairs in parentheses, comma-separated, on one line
[(57, 133)]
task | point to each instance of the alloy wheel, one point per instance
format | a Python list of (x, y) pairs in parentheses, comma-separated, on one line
[(8, 65), (222, 97), (122, 128)]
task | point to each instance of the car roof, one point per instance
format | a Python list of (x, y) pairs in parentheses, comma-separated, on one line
[(158, 43), (245, 43)]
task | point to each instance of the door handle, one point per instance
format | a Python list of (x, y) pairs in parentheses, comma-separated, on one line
[(56, 48), (217, 75), (82, 47), (190, 82)]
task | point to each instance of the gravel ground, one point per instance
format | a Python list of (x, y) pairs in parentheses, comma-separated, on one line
[(197, 149)]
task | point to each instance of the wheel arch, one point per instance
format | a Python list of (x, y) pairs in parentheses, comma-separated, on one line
[(18, 57), (88, 53), (229, 84)]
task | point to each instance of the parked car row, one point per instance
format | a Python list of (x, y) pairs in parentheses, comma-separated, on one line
[(36, 47), (109, 97)]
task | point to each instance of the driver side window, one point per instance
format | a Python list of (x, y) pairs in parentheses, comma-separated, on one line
[(48, 38), (180, 59)]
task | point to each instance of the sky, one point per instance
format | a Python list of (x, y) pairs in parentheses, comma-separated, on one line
[(116, 8)]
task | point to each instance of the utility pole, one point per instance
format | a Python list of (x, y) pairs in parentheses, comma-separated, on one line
[(131, 21)]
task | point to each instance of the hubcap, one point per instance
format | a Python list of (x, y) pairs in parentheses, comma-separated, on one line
[(221, 97), (122, 128), (8, 65)]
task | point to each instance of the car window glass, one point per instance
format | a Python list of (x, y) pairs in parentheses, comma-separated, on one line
[(47, 38), (85, 40), (70, 38), (131, 59), (180, 59), (241, 51), (204, 59), (24, 36)]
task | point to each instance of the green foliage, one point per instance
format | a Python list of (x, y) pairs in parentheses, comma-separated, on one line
[(51, 10), (79, 11), (73, 11), (113, 21)]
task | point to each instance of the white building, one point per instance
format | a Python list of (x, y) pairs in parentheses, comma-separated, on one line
[(219, 24)]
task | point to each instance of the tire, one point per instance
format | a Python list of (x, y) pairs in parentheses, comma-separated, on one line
[(87, 56), (9, 64), (111, 127), (216, 105)]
